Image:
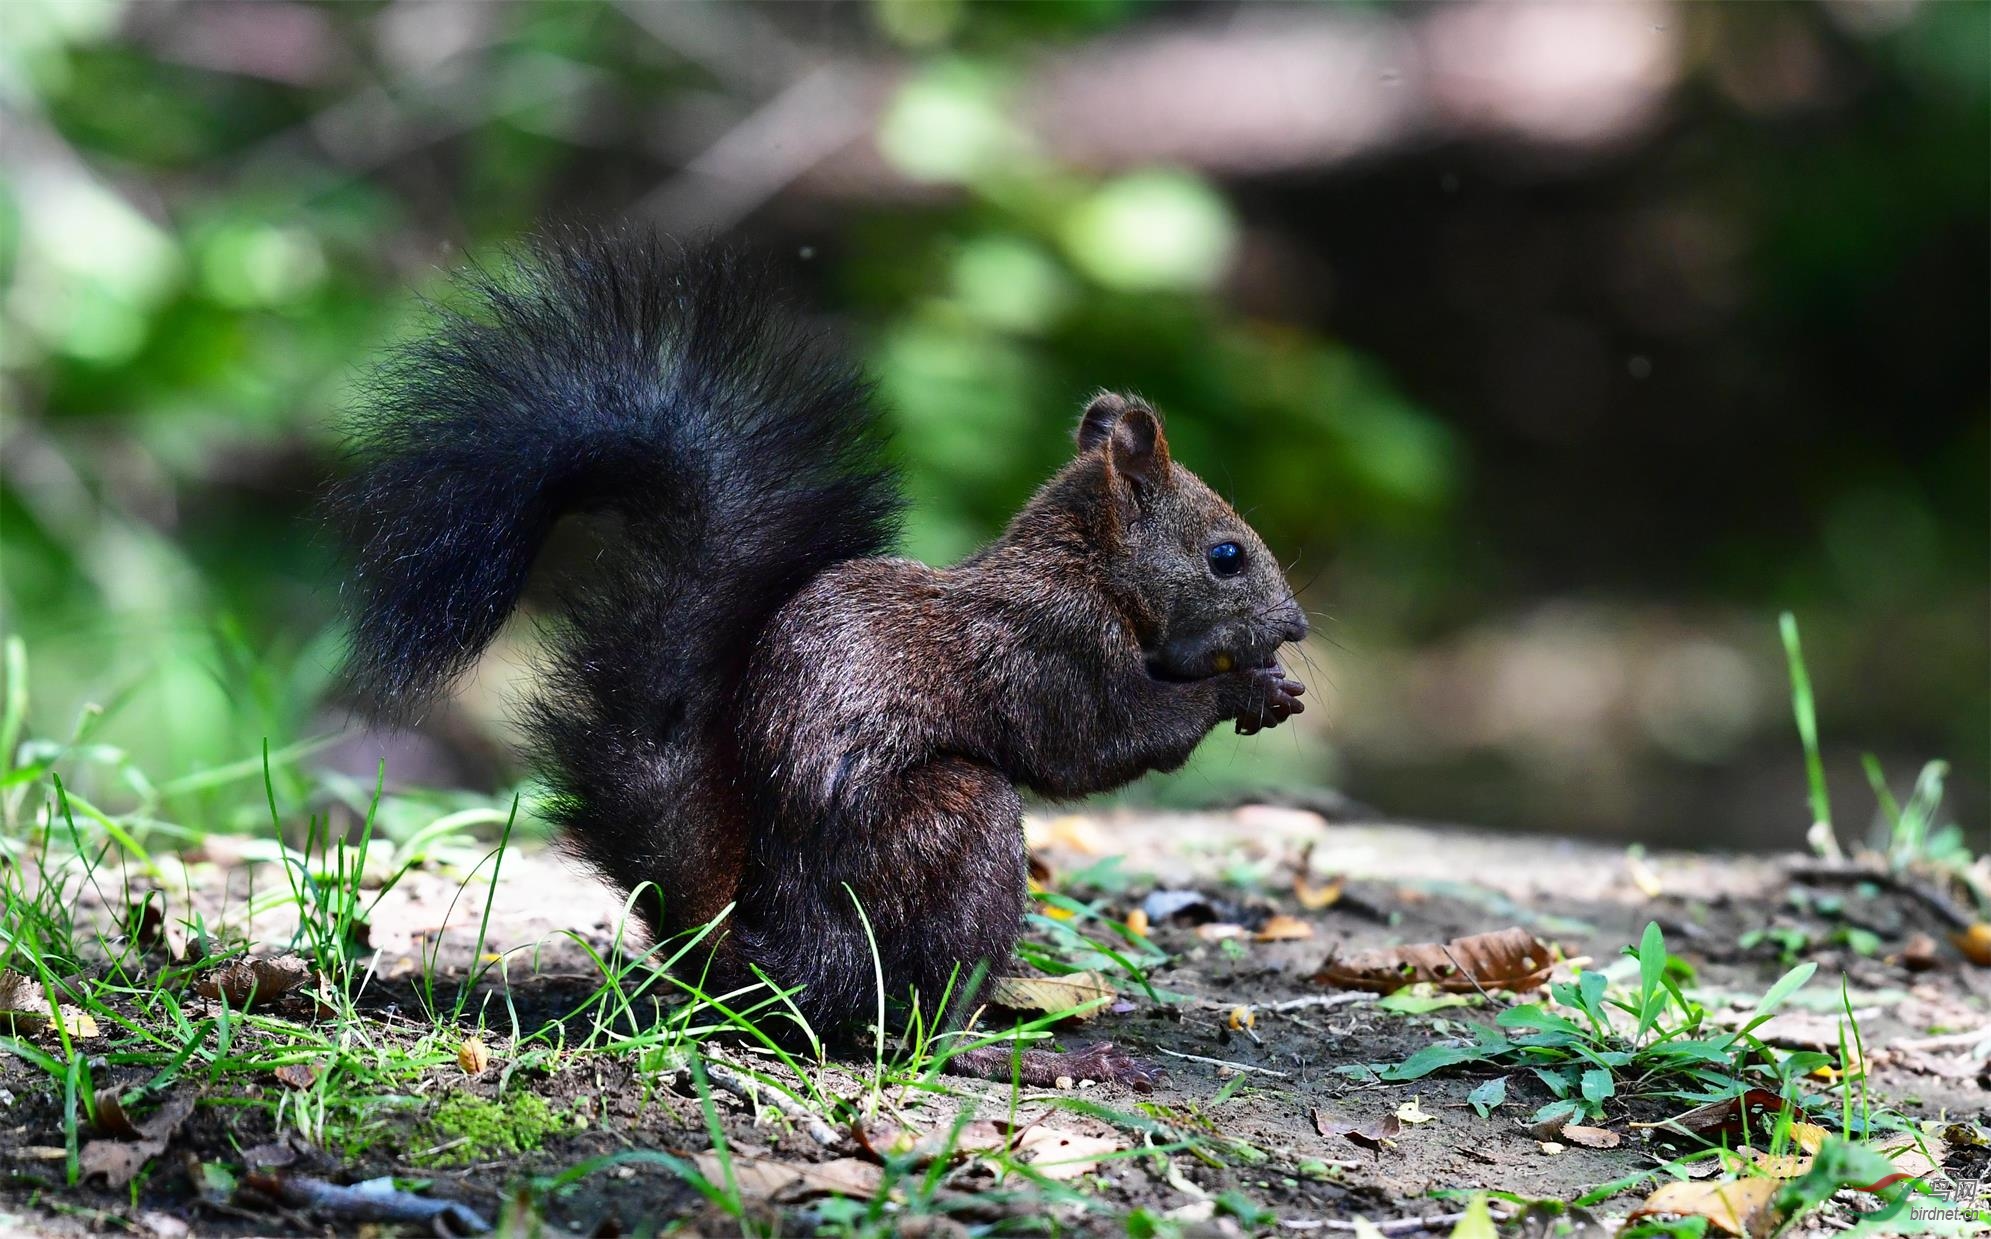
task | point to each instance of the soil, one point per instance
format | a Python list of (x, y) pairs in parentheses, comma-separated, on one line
[(1255, 1083)]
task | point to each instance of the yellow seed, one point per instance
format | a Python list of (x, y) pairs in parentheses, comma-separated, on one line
[(1137, 921), (1242, 1018), (472, 1056)]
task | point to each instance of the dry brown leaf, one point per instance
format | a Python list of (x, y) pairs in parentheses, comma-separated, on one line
[(24, 1009), (256, 981), (1059, 1154), (1089, 992), (1376, 1135), (1591, 1137), (1741, 1207), (473, 1056), (1509, 959), (888, 1139), (1975, 943), (297, 1075), (1731, 1120), (120, 1160), (1314, 898), (789, 1182), (1281, 928)]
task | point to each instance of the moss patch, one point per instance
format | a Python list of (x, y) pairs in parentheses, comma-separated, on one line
[(468, 1129)]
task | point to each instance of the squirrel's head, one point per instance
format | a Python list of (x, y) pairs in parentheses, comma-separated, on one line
[(1204, 593)]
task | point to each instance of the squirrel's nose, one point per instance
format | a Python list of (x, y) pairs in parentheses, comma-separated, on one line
[(1293, 624)]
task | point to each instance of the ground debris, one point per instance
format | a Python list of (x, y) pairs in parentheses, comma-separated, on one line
[(1509, 959), (375, 1200), (119, 1159), (260, 980)]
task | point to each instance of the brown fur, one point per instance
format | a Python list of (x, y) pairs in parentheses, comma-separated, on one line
[(892, 710)]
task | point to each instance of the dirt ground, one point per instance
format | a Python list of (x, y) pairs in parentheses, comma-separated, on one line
[(1250, 1041)]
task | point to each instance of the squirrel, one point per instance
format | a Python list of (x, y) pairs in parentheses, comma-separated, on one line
[(749, 703)]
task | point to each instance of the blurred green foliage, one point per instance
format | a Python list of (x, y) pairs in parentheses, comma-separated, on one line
[(198, 259)]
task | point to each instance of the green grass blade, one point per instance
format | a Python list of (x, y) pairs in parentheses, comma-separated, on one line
[(1806, 711)]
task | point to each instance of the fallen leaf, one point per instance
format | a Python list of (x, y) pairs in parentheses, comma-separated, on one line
[(1592, 1137), (790, 1182), (1975, 943), (1731, 1120), (1510, 959), (1314, 898), (112, 1119), (297, 1075), (118, 1161), (25, 1009), (1741, 1207), (473, 1056), (1280, 928), (376, 1200), (1411, 1112), (1376, 1135), (886, 1139), (1059, 1154), (255, 981), (1077, 995)]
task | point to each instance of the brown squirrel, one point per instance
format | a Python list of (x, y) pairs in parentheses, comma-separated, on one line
[(749, 703)]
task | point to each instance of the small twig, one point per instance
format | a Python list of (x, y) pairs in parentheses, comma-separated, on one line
[(1218, 1062), (1319, 1000), (748, 1089)]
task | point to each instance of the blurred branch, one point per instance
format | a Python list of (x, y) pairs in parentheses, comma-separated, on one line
[(754, 160)]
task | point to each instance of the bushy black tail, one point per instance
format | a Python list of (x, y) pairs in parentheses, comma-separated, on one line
[(671, 388)]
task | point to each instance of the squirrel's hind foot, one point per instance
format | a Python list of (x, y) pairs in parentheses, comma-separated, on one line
[(1103, 1061)]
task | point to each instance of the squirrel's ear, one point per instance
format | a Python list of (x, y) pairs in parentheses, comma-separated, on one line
[(1129, 432)]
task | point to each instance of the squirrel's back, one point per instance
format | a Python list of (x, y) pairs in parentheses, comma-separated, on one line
[(673, 392)]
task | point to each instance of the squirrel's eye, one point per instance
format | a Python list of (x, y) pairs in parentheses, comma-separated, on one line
[(1226, 559)]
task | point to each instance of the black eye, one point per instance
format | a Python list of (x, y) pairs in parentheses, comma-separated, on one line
[(1226, 559)]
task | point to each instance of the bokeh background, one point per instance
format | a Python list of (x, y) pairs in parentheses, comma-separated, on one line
[(1562, 345)]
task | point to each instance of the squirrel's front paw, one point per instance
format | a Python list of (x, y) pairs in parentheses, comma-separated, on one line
[(1271, 698)]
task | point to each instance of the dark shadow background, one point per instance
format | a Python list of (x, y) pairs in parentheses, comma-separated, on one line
[(1563, 345)]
